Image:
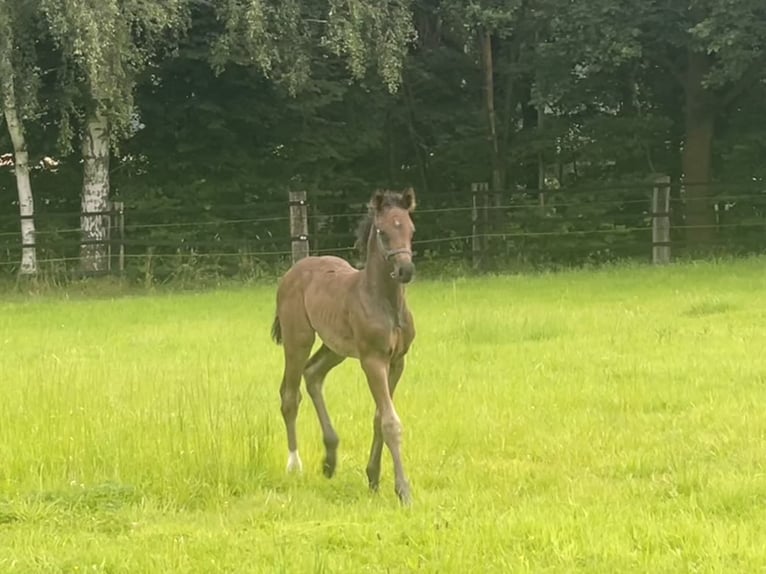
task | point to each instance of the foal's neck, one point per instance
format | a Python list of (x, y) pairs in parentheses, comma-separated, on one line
[(378, 281)]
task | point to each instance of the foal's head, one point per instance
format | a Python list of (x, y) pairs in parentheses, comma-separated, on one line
[(389, 230)]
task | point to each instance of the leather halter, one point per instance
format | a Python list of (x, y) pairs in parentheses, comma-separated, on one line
[(389, 253)]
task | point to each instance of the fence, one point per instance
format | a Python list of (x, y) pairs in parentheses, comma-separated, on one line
[(479, 229)]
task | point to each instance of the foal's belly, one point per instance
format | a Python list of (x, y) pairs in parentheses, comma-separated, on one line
[(335, 333), (329, 319), (340, 345), (325, 299)]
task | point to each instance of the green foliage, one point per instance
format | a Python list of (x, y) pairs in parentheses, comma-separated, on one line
[(590, 95), (284, 39), (734, 34), (19, 37), (364, 31), (104, 46)]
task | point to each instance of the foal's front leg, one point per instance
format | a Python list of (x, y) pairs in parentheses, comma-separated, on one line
[(376, 368), (376, 450)]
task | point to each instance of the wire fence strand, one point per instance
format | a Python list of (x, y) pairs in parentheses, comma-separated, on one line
[(550, 204), (504, 235), (230, 231)]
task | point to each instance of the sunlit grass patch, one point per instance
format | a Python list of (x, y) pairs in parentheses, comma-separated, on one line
[(601, 421)]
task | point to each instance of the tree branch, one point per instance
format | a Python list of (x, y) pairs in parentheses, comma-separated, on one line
[(747, 80)]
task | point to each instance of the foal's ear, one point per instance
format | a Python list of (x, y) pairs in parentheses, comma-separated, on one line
[(408, 197), (376, 203)]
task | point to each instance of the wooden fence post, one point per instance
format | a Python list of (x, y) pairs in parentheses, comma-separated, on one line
[(478, 221), (116, 226), (299, 225), (475, 247), (475, 227), (541, 171), (109, 222), (485, 219), (314, 230), (119, 208), (661, 220)]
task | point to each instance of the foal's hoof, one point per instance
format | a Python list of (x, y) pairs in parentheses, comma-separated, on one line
[(328, 466), (373, 478), (294, 463), (405, 497)]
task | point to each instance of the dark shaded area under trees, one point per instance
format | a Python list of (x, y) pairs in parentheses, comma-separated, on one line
[(566, 110)]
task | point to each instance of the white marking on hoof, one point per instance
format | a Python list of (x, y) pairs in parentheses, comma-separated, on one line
[(294, 463)]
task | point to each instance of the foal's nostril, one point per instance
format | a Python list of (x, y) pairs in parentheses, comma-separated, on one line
[(405, 274)]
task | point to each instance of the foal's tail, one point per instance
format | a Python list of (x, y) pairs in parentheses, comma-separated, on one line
[(276, 331)]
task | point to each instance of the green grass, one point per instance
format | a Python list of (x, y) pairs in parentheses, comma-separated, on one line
[(594, 421)]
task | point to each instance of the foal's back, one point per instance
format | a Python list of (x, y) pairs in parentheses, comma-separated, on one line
[(313, 296)]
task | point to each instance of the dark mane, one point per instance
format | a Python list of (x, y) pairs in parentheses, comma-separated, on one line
[(388, 199), (363, 233)]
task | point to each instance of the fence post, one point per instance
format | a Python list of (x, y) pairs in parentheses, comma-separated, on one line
[(299, 225), (661, 220), (485, 220), (541, 173), (115, 221), (314, 230), (108, 218), (475, 246), (479, 220), (119, 208)]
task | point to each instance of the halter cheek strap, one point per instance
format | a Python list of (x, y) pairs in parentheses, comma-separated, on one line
[(389, 253)]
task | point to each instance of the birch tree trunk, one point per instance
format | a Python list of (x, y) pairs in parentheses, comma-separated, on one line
[(21, 169), (95, 195)]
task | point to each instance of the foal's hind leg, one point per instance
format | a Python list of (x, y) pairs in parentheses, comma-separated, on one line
[(316, 370), (376, 450), (297, 350)]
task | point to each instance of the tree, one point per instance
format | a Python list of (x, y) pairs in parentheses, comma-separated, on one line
[(495, 32), (284, 39), (713, 52), (18, 83), (104, 47), (723, 55)]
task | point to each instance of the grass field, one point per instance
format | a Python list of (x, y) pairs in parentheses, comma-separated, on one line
[(602, 421)]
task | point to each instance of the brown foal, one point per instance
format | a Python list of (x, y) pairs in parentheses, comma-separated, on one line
[(361, 314)]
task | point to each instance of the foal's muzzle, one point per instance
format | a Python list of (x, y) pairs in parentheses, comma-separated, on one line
[(404, 272), (404, 268)]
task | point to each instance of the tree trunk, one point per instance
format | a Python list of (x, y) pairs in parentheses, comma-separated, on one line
[(489, 102), (23, 183), (698, 151), (529, 118), (506, 120), (95, 195)]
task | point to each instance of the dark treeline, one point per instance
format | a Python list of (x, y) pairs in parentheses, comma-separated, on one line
[(189, 110)]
